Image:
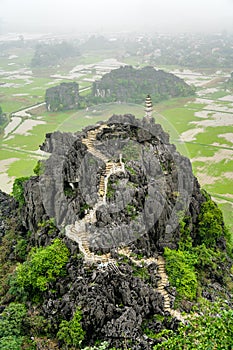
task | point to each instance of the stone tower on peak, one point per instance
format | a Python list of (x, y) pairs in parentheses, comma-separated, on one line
[(148, 107)]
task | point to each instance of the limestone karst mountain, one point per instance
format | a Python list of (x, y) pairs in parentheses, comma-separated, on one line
[(127, 206), (128, 84)]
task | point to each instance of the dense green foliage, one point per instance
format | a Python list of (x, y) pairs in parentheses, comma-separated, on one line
[(18, 190), (71, 332), (11, 321), (213, 330), (51, 54), (181, 272), (39, 168), (127, 84), (11, 343), (197, 260), (211, 225), (43, 265)]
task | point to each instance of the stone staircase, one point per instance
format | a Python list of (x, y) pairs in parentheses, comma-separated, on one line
[(90, 139), (163, 282), (78, 232)]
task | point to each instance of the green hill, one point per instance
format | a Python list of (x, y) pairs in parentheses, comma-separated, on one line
[(128, 84)]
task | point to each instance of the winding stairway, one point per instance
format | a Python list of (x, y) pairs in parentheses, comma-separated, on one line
[(163, 281), (79, 233)]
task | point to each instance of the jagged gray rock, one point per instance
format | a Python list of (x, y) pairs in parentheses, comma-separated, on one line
[(143, 206), (157, 188), (62, 97), (8, 207)]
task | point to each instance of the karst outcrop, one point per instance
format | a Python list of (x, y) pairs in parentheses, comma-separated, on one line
[(121, 198)]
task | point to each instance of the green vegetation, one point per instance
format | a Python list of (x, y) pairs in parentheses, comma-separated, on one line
[(110, 189), (102, 346), (42, 266), (11, 320), (141, 272), (127, 84), (71, 332), (49, 225), (131, 211), (39, 168), (181, 272), (21, 249), (213, 330), (18, 190), (203, 260), (131, 151), (51, 54), (62, 97), (193, 263), (211, 225)]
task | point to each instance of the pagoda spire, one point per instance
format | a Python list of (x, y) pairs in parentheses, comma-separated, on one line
[(148, 107)]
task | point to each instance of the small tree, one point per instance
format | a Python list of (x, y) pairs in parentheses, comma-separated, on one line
[(211, 224), (43, 266), (11, 320), (71, 332), (18, 190), (181, 272)]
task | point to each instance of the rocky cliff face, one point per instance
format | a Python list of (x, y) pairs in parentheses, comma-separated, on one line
[(143, 205), (62, 97), (8, 208), (118, 192)]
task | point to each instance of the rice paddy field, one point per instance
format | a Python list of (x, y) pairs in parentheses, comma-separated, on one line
[(200, 127)]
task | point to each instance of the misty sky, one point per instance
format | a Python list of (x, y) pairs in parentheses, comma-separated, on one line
[(120, 15)]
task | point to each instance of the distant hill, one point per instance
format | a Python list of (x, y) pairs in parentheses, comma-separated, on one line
[(125, 84), (128, 84), (47, 55), (2, 118), (62, 97), (229, 83)]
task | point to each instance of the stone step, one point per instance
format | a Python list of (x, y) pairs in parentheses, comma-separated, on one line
[(167, 305), (160, 287), (166, 298)]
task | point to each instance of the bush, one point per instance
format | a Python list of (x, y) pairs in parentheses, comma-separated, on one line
[(71, 332), (210, 224), (213, 330), (18, 190), (11, 343), (43, 266), (39, 168), (21, 249), (181, 272), (11, 320)]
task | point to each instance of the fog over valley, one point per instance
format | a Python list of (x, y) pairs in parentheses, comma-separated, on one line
[(103, 16)]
